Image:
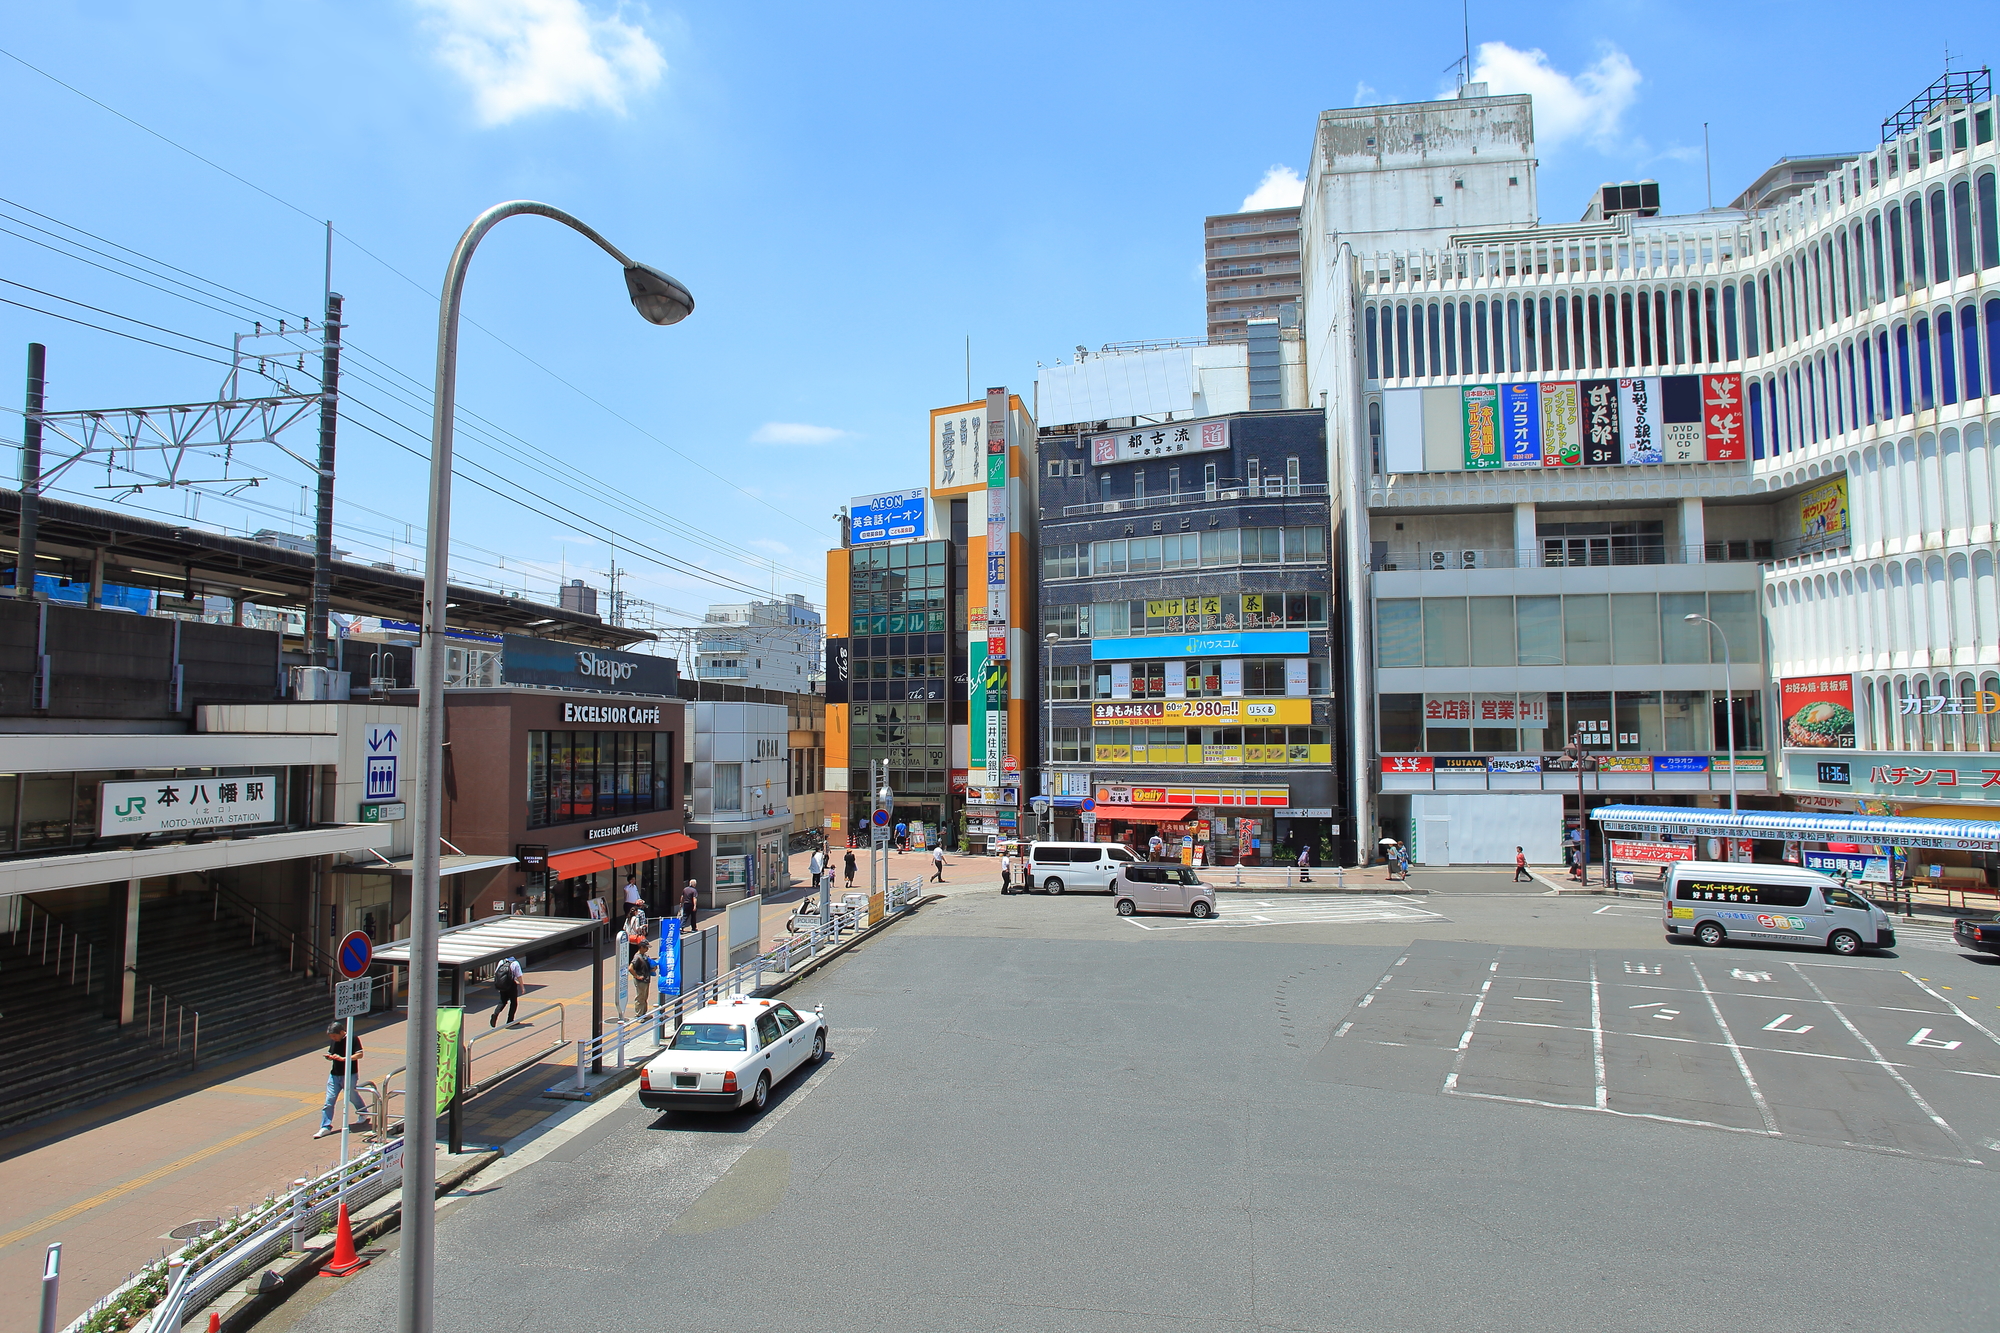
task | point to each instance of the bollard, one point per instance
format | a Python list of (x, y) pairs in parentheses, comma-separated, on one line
[(1339, 877), (298, 1208), (582, 1062), (621, 1045), (51, 1275)]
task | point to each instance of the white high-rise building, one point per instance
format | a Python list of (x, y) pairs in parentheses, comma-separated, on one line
[(768, 645), (1553, 443)]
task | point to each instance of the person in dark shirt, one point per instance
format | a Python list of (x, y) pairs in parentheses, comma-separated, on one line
[(338, 1068)]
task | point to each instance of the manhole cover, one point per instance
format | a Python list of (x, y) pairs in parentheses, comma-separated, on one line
[(189, 1230)]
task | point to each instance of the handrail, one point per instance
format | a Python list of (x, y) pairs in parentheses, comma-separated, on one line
[(318, 961), (184, 1021), (383, 1091)]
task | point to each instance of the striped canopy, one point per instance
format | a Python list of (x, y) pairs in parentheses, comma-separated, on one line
[(1966, 835)]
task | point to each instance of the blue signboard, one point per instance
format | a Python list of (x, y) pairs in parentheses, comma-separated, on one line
[(1853, 865), (1680, 763), (1521, 425), (670, 956), (890, 516), (1223, 643)]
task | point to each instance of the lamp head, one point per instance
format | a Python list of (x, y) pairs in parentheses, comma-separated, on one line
[(661, 299), (1690, 617)]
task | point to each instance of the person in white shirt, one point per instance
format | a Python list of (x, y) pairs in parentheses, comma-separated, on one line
[(1006, 872)]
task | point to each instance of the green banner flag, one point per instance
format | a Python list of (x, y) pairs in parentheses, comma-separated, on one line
[(451, 1026)]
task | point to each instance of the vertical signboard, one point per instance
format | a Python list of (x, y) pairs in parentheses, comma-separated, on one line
[(1722, 416), (1638, 419), (1562, 438), (669, 974), (1521, 418), (1481, 406), (1681, 438), (1600, 422), (997, 740)]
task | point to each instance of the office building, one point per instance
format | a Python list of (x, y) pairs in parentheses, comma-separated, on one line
[(774, 645)]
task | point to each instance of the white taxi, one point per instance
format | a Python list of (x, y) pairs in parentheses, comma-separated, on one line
[(732, 1054)]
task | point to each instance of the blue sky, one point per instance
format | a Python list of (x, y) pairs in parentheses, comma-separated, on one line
[(848, 191)]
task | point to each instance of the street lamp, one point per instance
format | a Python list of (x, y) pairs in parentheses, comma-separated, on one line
[(1728, 701), (660, 300), (1048, 731)]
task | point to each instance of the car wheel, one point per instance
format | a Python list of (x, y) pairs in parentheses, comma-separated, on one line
[(1052, 885), (1200, 910), (761, 1095), (819, 1046), (1708, 934), (1126, 907), (1844, 942)]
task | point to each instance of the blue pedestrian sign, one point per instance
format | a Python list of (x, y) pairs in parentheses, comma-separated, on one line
[(881, 818), (355, 953)]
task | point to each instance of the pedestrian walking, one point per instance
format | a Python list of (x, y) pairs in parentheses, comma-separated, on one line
[(1305, 865), (632, 896), (507, 977), (817, 866), (902, 836), (1155, 846), (848, 866), (641, 970), (1006, 873), (1521, 867), (688, 905), (937, 860), (341, 1062)]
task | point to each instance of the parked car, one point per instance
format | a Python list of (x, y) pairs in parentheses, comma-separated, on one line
[(732, 1054), (1158, 888), (1056, 866), (1716, 901), (1981, 935)]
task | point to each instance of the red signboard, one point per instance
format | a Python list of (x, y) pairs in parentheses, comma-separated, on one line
[(1818, 711), (1656, 853), (1406, 763), (1722, 416)]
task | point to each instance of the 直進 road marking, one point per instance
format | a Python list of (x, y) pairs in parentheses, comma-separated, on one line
[(1776, 1025), (1924, 1038)]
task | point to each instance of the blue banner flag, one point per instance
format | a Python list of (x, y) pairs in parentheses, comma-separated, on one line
[(670, 956)]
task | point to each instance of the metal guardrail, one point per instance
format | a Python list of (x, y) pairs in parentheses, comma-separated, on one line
[(194, 1275), (509, 1036)]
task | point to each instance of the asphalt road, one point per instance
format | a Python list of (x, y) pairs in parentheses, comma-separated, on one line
[(1039, 1116)]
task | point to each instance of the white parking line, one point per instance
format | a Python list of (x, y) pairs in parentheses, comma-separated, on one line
[(1303, 912)]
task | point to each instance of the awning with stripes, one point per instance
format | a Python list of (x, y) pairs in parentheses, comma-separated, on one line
[(1966, 835)]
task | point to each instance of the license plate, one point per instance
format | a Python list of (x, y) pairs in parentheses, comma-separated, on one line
[(687, 1080)]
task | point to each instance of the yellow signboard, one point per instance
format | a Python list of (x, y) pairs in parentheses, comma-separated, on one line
[(1823, 516), (1165, 606), (1203, 712), (1253, 603)]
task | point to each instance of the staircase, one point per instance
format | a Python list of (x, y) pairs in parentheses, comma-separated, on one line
[(61, 1053)]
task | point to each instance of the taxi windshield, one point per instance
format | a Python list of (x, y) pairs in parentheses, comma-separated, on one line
[(709, 1037)]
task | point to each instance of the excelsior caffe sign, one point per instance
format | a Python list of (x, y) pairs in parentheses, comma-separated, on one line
[(526, 661)]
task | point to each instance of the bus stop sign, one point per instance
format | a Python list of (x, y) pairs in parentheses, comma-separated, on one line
[(354, 954)]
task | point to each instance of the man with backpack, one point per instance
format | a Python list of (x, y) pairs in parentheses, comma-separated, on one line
[(507, 977)]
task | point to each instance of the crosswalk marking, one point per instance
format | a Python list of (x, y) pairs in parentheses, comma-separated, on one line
[(1305, 910)]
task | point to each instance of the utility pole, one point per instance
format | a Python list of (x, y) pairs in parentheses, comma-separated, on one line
[(31, 474), (329, 422)]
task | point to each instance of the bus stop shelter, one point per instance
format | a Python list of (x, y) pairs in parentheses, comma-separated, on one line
[(467, 948)]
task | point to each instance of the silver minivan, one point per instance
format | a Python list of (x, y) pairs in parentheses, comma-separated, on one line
[(1162, 888), (1716, 901), (1055, 866)]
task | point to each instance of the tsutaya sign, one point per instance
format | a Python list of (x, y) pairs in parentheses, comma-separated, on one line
[(176, 804)]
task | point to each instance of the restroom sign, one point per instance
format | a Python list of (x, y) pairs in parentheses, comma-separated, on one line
[(383, 744)]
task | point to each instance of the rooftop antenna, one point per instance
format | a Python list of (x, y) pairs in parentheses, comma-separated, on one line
[(1707, 170), (1465, 22), (968, 367)]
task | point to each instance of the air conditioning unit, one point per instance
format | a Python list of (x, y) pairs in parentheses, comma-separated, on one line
[(1455, 559), (1468, 559)]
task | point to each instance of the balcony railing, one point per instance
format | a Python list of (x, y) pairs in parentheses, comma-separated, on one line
[(1225, 489), (1565, 553)]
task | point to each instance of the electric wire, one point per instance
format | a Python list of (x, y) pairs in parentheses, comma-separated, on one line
[(428, 292)]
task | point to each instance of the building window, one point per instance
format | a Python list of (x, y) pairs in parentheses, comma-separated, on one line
[(579, 775), (728, 787)]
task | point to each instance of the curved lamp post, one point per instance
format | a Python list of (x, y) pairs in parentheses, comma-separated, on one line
[(1728, 702), (661, 300)]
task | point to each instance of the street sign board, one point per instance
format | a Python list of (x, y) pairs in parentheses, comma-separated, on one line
[(384, 744), (384, 812), (356, 951), (350, 998), (881, 818), (1086, 805)]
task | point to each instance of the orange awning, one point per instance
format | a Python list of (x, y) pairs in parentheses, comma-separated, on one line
[(590, 860)]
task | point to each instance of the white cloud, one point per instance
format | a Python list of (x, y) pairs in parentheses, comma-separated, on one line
[(793, 432), (1280, 188), (1364, 95), (765, 544), (523, 56), (1587, 105)]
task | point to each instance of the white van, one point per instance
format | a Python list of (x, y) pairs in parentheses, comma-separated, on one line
[(1716, 900), (1055, 866)]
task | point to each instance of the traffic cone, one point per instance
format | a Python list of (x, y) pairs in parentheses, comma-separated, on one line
[(345, 1260), (214, 1321)]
